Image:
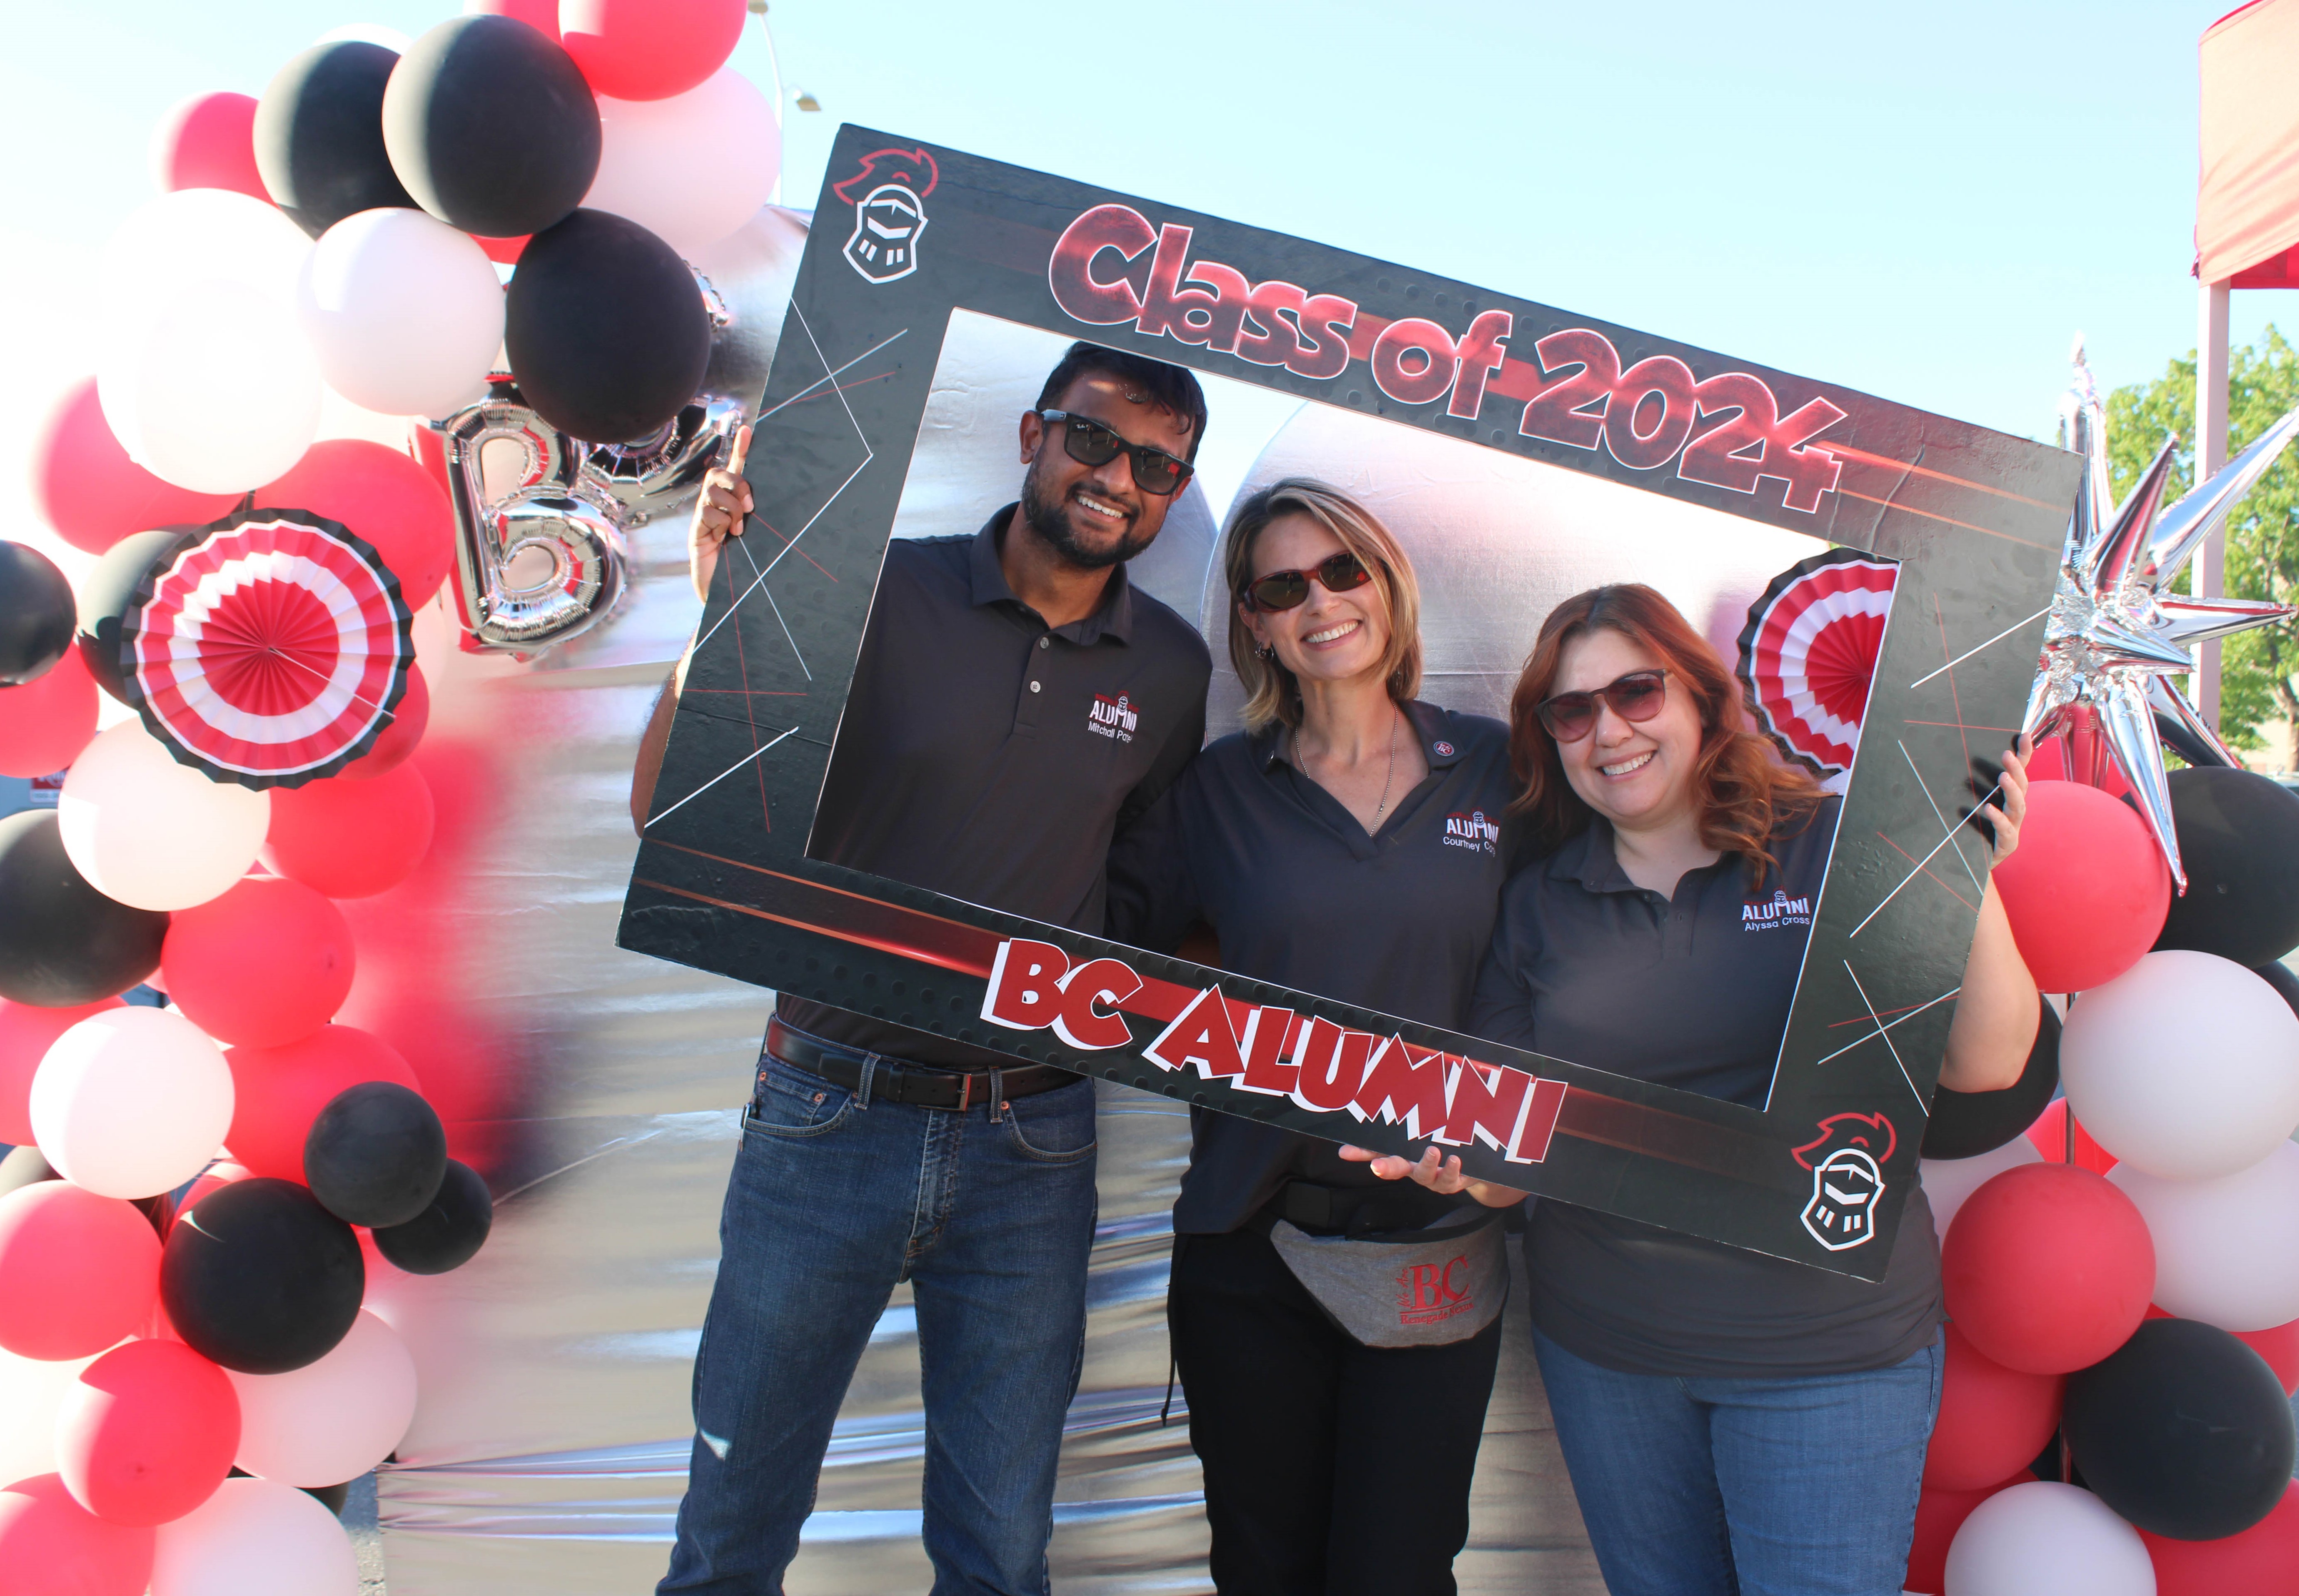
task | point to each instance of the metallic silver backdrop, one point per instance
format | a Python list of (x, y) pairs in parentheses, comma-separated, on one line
[(600, 1089)]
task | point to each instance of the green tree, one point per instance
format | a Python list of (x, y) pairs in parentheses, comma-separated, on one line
[(2257, 667)]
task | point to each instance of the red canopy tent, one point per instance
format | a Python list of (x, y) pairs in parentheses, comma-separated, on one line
[(2246, 223)]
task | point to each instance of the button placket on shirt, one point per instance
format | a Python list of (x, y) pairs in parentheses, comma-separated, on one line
[(1034, 677)]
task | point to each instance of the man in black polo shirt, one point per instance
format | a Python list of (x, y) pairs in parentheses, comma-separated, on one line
[(1015, 703)]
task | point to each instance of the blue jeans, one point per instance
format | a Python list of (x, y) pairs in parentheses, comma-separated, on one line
[(834, 1200), (1708, 1487)]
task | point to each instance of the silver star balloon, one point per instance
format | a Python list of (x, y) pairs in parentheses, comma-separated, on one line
[(2118, 630)]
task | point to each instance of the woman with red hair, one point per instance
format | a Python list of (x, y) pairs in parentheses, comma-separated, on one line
[(1732, 1422)]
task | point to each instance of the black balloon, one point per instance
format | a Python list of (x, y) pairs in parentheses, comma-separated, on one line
[(491, 127), (446, 1234), (1966, 1124), (2183, 1430), (105, 597), (2280, 976), (259, 1278), (376, 1154), (605, 328), (62, 942), (319, 135), (36, 614), (2239, 843)]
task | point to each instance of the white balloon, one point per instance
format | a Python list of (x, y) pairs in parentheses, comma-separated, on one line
[(691, 169), (2047, 1538), (32, 1393), (131, 1103), (2227, 1250), (1948, 1182), (2187, 1066), (333, 1420), (256, 1538), (404, 313), (192, 236), (216, 390), (154, 833)]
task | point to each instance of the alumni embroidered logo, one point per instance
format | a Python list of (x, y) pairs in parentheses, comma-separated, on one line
[(1472, 830), (1110, 717), (1759, 914)]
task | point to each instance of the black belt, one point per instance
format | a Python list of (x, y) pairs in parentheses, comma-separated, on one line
[(1357, 1210), (918, 1084)]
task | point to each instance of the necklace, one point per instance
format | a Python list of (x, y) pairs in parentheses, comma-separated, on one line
[(1388, 780)]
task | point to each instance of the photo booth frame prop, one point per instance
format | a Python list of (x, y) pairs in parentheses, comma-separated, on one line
[(905, 233)]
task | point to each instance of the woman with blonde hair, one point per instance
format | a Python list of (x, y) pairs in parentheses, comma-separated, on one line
[(1348, 842), (1732, 1422)]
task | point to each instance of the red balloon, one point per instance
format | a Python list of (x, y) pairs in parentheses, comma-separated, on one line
[(1939, 1513), (147, 1433), (267, 962), (350, 839), (2079, 754), (26, 1032), (383, 497), (92, 493), (2088, 890), (209, 142), (77, 1271), (278, 1092), (2262, 1560), (2047, 1268), (46, 722), (503, 252), (2050, 1136), (1992, 1419), (52, 1546), (649, 49), (397, 740), (542, 14)]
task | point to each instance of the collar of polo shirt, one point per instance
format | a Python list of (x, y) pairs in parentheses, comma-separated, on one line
[(1274, 743), (1114, 619)]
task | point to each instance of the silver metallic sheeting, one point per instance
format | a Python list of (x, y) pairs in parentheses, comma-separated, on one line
[(1498, 541)]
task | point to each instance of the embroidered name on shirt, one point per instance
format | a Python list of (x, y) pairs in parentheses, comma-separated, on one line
[(1112, 718), (1472, 830), (1780, 910)]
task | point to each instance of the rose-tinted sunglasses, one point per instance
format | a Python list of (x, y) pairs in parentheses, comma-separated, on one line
[(1091, 443), (1285, 589), (1636, 696)]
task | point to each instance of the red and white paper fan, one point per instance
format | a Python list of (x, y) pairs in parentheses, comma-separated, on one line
[(1809, 651), (269, 650)]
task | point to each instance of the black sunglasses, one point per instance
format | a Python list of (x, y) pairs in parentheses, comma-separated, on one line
[(1284, 589), (1091, 443), (1636, 696)]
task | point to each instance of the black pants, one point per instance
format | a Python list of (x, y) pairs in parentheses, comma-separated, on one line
[(1330, 1468)]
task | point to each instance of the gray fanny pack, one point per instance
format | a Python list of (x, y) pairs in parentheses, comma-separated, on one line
[(1405, 1288)]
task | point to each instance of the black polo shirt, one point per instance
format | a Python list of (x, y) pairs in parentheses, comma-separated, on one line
[(988, 757), (1690, 991), (1299, 895)]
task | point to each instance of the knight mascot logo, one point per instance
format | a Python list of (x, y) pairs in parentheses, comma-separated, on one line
[(889, 196), (1847, 1178)]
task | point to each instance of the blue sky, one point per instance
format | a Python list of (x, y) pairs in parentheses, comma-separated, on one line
[(1922, 202)]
